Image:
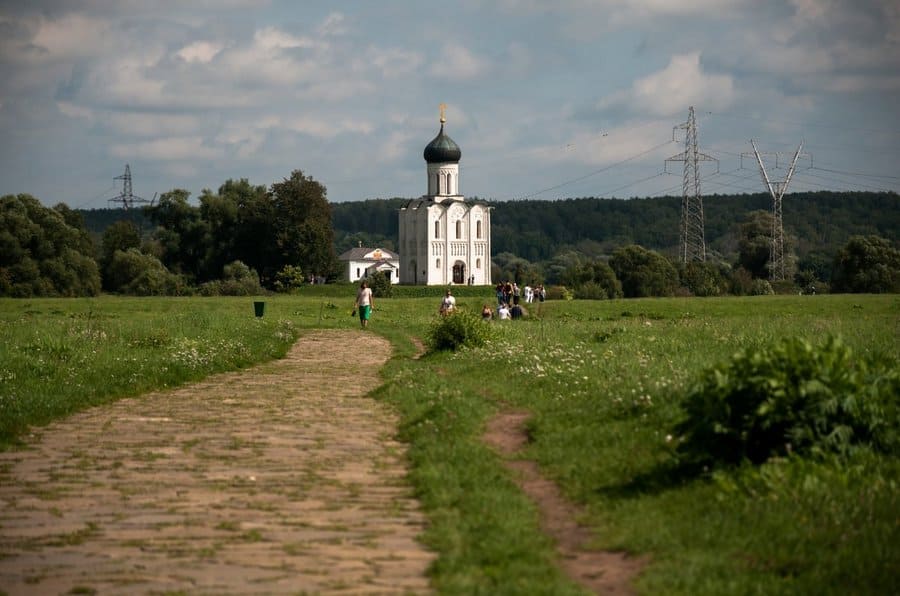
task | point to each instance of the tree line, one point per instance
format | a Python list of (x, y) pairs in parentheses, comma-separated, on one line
[(242, 239), (246, 238)]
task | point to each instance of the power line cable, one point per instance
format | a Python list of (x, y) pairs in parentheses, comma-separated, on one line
[(830, 179), (802, 124), (595, 172), (609, 192), (855, 173)]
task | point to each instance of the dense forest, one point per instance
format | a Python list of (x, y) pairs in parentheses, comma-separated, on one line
[(535, 232), (817, 223), (245, 238)]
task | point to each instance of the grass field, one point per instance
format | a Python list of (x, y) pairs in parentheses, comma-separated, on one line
[(603, 381)]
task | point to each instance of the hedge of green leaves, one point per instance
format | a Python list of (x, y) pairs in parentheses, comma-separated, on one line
[(456, 330), (792, 397)]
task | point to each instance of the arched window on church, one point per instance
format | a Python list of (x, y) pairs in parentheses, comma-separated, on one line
[(478, 263), (437, 229), (449, 184), (437, 263), (458, 229), (437, 188), (443, 187), (478, 229)]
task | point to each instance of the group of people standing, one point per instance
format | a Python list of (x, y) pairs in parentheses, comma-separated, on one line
[(509, 293), (508, 297)]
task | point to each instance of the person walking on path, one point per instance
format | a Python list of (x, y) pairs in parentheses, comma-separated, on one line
[(364, 304)]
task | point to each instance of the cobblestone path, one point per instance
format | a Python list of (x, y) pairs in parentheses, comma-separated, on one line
[(283, 478)]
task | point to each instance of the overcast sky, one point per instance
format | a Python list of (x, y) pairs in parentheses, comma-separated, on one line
[(547, 100)]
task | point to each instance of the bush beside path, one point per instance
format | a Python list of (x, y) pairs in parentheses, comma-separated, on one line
[(279, 479)]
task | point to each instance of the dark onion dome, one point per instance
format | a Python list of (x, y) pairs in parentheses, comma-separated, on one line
[(442, 149)]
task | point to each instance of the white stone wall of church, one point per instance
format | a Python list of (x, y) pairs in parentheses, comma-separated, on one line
[(438, 171), (434, 257)]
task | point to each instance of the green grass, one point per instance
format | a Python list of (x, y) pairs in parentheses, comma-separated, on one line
[(603, 381)]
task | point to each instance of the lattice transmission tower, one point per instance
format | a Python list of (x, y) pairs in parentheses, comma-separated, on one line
[(776, 190), (692, 236), (126, 197)]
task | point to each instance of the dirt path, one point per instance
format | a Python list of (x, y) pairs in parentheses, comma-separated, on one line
[(279, 479), (599, 571)]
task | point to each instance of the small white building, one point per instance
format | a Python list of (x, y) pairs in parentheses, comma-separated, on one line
[(363, 262), (444, 239)]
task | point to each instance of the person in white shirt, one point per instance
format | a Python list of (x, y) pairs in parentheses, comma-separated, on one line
[(503, 312), (364, 303), (448, 304)]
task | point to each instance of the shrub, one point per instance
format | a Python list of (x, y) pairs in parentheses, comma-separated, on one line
[(792, 397), (866, 264), (761, 287), (702, 279), (381, 285), (458, 329), (559, 293), (643, 272), (289, 278), (132, 272), (591, 290)]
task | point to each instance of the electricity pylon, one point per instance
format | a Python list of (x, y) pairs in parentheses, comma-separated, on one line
[(126, 197), (776, 190), (692, 235)]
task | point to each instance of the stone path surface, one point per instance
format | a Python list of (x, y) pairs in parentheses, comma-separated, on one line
[(279, 479)]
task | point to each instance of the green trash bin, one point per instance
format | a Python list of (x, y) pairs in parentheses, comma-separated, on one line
[(259, 308)]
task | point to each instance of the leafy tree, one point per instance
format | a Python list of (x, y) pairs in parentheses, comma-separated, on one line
[(237, 280), (562, 261), (120, 236), (594, 280), (866, 264), (302, 226), (381, 285), (755, 244), (240, 222), (510, 267), (138, 274), (181, 233), (289, 278), (703, 279), (44, 252), (643, 272)]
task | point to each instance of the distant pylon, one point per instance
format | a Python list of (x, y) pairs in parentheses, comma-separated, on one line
[(692, 235), (126, 197), (776, 190)]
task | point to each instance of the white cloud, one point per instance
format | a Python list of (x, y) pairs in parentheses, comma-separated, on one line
[(245, 140), (456, 62), (152, 124), (327, 128), (333, 25), (396, 147), (603, 147), (72, 36), (272, 38), (394, 62), (187, 148), (199, 51), (681, 84), (75, 111)]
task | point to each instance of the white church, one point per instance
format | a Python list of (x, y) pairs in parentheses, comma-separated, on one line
[(443, 238)]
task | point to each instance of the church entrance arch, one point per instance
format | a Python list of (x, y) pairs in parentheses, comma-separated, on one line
[(459, 272)]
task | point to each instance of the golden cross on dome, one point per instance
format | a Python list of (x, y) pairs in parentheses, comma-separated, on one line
[(443, 107)]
